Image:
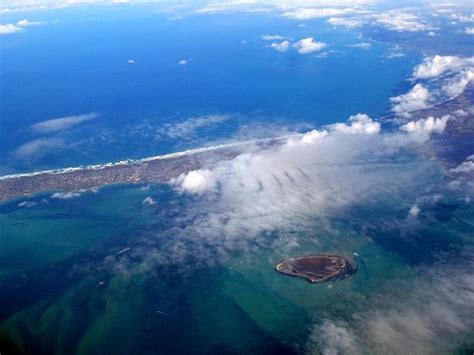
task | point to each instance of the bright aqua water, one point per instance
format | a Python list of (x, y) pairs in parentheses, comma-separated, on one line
[(87, 275)]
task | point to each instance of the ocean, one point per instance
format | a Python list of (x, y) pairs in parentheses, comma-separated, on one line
[(151, 269), (78, 64)]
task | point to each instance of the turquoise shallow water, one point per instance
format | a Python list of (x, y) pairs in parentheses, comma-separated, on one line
[(100, 274)]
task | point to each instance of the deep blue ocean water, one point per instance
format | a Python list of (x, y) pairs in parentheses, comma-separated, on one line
[(78, 63)]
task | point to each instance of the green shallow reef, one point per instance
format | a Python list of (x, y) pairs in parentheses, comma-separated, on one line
[(118, 282)]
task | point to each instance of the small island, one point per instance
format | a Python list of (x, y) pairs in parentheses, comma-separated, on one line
[(316, 268)]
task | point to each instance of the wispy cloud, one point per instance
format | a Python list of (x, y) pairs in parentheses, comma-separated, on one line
[(272, 37), (18, 26), (363, 45), (187, 128), (38, 147), (28, 23), (465, 167), (9, 28), (400, 21), (312, 13), (234, 6), (68, 195), (149, 201), (62, 123), (437, 307), (284, 188), (346, 22), (280, 46)]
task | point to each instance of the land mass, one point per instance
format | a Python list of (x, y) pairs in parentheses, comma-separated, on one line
[(155, 169), (316, 268)]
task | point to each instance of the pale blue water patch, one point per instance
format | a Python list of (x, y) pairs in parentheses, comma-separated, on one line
[(80, 65)]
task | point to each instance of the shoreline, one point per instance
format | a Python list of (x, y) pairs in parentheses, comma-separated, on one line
[(159, 169)]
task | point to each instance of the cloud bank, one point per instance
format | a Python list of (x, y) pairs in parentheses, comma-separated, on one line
[(310, 176)]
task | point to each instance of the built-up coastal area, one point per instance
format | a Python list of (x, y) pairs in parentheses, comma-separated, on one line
[(154, 169)]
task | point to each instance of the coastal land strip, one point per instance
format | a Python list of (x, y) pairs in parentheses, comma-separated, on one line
[(149, 170)]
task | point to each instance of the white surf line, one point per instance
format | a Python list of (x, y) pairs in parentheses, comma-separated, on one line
[(144, 160)]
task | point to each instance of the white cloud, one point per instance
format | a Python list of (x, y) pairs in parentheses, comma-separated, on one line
[(426, 125), (62, 123), (38, 147), (465, 167), (308, 45), (395, 20), (17, 27), (363, 45), (346, 22), (73, 194), (334, 338), (280, 47), (9, 28), (359, 124), (148, 201), (416, 99), (251, 6), (414, 211), (392, 55), (395, 52), (27, 23), (433, 67), (312, 13), (183, 62), (272, 37), (310, 137), (195, 182), (437, 308), (27, 204), (280, 188), (66, 195), (469, 30), (456, 86), (131, 61), (463, 17), (187, 128)]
